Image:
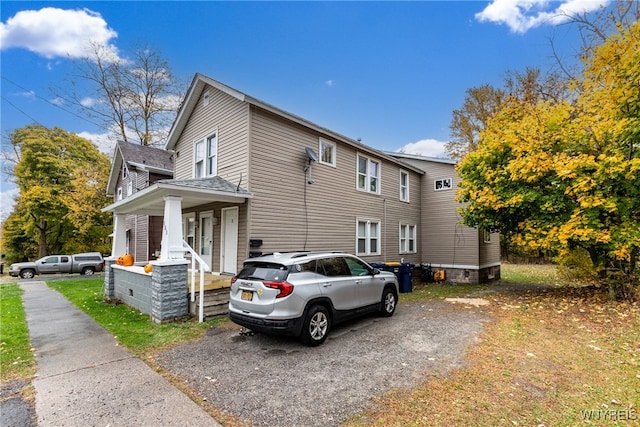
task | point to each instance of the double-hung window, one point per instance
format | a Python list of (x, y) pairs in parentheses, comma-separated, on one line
[(205, 157), (368, 237), (407, 238), (404, 186), (368, 175)]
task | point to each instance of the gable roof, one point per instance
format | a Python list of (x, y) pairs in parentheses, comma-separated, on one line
[(200, 82), (141, 157)]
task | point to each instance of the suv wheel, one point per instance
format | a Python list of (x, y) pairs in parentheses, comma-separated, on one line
[(316, 326), (388, 303)]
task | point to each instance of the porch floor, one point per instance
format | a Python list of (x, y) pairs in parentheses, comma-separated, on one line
[(211, 281)]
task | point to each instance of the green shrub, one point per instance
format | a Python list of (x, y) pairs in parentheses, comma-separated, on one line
[(576, 266)]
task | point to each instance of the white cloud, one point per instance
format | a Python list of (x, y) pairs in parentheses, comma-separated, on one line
[(104, 141), (53, 32), (523, 15), (89, 102), (8, 196), (425, 147), (330, 83)]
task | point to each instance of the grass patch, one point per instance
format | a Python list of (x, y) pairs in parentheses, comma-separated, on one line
[(555, 356), (530, 274), (134, 330), (423, 291), (16, 357)]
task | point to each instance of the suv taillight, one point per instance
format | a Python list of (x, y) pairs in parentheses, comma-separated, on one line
[(285, 287)]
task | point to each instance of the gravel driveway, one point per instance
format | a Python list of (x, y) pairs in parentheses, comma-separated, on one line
[(272, 381)]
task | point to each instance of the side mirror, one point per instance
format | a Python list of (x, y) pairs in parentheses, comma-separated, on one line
[(375, 271)]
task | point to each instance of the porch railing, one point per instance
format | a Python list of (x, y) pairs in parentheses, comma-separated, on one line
[(203, 268)]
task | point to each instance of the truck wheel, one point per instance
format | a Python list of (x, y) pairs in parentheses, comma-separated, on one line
[(27, 274), (87, 271)]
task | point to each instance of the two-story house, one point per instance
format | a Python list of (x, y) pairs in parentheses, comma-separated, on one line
[(250, 178), (135, 167)]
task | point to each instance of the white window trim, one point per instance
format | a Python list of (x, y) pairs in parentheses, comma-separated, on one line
[(206, 154), (368, 236), (119, 194), (129, 188), (404, 199), (334, 152), (445, 184), (125, 171), (367, 183), (185, 227), (409, 236)]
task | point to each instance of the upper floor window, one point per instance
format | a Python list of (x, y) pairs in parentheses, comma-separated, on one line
[(119, 194), (442, 184), (368, 237), (368, 175), (206, 98), (404, 186), (327, 152), (407, 238), (129, 188), (125, 171), (205, 156)]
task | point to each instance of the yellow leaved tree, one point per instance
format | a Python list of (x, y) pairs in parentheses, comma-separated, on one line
[(554, 176)]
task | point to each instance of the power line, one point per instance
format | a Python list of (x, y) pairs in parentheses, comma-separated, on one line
[(23, 112), (48, 102)]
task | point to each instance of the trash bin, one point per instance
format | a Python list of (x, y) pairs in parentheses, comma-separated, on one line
[(405, 277), (402, 270)]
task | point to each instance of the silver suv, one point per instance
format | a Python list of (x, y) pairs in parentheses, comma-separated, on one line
[(304, 294)]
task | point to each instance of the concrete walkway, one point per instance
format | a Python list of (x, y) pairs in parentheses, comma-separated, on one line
[(85, 379)]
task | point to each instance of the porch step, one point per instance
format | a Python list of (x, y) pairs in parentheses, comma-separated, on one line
[(216, 303), (211, 281)]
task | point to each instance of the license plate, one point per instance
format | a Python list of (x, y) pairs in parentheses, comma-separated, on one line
[(247, 295)]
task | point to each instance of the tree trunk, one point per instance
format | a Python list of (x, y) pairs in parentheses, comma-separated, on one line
[(42, 246)]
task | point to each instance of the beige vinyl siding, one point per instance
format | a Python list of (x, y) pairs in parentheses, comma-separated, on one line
[(490, 252), (243, 240), (445, 241), (278, 183), (230, 117)]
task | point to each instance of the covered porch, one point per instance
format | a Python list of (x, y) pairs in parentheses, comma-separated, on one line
[(175, 278)]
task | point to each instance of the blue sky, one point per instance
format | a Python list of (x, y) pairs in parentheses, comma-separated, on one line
[(390, 73)]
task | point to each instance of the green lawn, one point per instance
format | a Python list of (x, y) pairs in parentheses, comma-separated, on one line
[(134, 330), (16, 357)]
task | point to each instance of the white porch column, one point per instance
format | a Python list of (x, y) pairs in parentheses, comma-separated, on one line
[(171, 246), (119, 243)]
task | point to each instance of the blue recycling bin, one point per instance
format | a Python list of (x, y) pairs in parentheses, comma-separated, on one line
[(405, 277), (402, 270)]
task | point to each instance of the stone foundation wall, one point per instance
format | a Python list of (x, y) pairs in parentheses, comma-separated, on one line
[(163, 293)]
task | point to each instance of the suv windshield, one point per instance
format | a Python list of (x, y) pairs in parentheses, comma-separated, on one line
[(263, 271)]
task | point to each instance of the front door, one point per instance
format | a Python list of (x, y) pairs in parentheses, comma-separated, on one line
[(229, 241), (206, 238)]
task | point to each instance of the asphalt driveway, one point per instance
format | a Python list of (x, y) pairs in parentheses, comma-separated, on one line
[(271, 381)]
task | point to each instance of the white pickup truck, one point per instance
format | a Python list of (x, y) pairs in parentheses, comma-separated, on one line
[(86, 263)]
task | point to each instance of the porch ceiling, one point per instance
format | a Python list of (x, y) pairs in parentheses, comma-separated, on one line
[(194, 192)]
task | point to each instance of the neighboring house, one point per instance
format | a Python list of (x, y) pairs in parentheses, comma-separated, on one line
[(135, 167), (250, 178)]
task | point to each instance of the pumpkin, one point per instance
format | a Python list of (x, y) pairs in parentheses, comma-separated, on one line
[(125, 260), (148, 268)]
